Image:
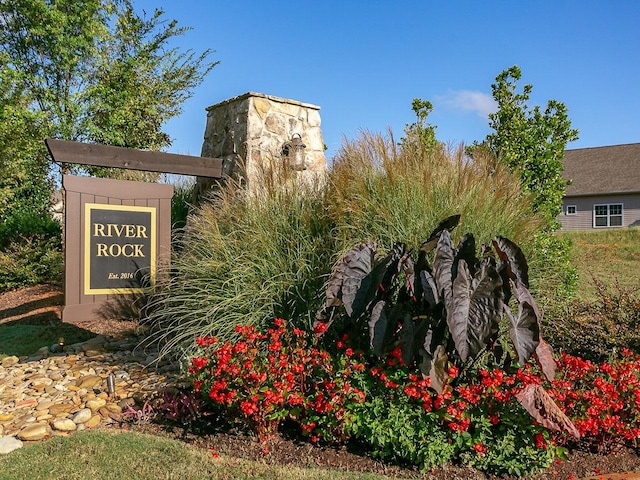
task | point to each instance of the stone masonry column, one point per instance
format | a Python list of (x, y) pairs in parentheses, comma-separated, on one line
[(250, 130)]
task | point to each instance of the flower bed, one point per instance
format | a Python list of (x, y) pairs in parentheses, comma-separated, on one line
[(265, 378)]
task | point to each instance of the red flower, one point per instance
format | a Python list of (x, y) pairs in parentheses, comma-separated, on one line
[(200, 362), (320, 328), (541, 442), (481, 449)]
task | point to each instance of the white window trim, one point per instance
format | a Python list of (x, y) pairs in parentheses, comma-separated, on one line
[(608, 205), (575, 210)]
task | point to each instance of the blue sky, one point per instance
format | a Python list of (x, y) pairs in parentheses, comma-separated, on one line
[(363, 62)]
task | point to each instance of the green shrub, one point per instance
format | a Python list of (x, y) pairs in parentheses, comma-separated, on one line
[(402, 433), (554, 279), (263, 379), (388, 193), (246, 257), (29, 261), (252, 255), (598, 329)]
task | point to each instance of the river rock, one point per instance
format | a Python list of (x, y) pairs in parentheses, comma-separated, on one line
[(93, 421), (36, 431), (95, 404), (89, 381), (56, 410), (9, 444), (10, 361), (64, 425), (81, 416)]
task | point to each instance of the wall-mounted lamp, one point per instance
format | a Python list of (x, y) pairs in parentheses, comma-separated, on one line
[(293, 153)]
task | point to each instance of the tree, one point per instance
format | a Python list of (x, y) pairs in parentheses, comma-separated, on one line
[(82, 70), (24, 181), (421, 129), (531, 142), (98, 71)]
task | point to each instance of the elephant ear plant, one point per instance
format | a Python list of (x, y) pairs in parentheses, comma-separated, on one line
[(448, 313)]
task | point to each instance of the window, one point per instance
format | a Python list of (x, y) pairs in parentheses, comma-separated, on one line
[(607, 215), (571, 209)]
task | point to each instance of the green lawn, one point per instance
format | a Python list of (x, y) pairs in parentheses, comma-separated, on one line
[(110, 455), (606, 255), (25, 339)]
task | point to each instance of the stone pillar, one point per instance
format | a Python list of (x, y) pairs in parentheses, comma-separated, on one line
[(250, 130)]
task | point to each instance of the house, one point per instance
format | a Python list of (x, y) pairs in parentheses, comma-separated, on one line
[(605, 189)]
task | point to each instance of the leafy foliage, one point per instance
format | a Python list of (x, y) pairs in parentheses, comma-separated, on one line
[(263, 379), (88, 70), (599, 328), (530, 141), (450, 314), (244, 259), (457, 305)]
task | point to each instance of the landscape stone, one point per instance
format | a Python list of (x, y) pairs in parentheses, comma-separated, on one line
[(96, 404), (10, 361), (8, 444), (33, 432), (93, 421), (89, 381), (81, 416), (68, 391), (60, 408), (64, 425)]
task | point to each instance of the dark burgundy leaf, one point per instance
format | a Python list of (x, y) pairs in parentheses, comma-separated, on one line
[(378, 328), (443, 268), (447, 224), (379, 281), (438, 369), (509, 252), (429, 288), (347, 276), (466, 251), (476, 309), (524, 331), (412, 337)]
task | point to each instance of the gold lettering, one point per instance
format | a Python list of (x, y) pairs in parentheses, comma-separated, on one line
[(128, 250), (118, 230), (142, 231)]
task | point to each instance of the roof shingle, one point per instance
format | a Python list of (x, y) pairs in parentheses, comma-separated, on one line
[(603, 170)]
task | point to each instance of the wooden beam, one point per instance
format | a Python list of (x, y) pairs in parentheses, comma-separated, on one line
[(64, 151)]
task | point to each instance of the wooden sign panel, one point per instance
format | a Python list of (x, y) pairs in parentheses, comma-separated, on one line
[(119, 247), (117, 236)]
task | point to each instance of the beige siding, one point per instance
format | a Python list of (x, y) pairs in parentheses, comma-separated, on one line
[(583, 219)]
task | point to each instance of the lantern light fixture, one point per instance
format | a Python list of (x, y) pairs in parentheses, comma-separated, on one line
[(293, 153)]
